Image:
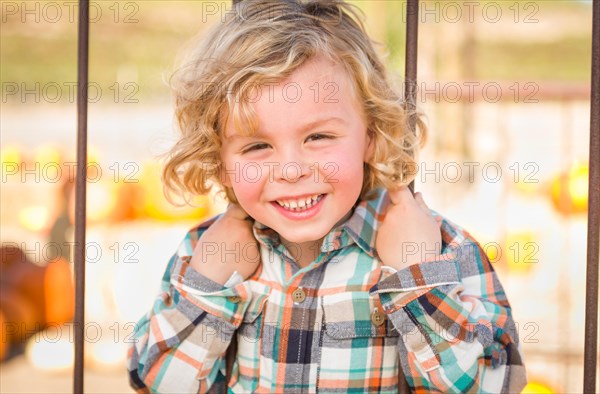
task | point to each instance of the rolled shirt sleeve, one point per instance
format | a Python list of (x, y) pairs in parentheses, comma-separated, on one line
[(179, 344), (455, 321)]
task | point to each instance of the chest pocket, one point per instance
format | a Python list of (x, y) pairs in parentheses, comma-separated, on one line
[(359, 344), (251, 322)]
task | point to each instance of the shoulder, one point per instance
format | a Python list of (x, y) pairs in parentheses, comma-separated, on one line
[(451, 231), (454, 235), (462, 246)]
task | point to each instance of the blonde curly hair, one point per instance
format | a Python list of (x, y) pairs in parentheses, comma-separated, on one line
[(262, 42)]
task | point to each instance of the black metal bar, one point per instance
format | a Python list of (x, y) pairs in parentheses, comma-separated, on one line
[(410, 100), (410, 70), (80, 191), (593, 231)]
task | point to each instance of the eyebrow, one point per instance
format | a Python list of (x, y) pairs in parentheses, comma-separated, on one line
[(303, 129)]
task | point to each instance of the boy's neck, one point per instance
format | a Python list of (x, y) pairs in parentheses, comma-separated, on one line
[(304, 253)]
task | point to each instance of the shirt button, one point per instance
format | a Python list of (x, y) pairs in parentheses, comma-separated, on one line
[(234, 299), (378, 318), (298, 295)]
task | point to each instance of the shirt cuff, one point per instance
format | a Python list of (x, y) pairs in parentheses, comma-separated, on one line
[(229, 303), (407, 284)]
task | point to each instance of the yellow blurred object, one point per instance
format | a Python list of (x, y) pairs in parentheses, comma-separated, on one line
[(11, 154), (520, 251), (34, 218), (156, 206), (528, 187), (48, 154), (578, 186), (569, 190), (492, 249), (92, 154), (536, 388)]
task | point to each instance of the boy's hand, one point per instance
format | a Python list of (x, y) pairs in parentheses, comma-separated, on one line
[(409, 234), (227, 245)]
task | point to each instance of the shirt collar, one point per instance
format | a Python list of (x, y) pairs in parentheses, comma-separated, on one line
[(367, 218), (360, 228)]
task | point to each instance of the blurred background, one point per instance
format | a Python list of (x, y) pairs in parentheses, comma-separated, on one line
[(504, 86)]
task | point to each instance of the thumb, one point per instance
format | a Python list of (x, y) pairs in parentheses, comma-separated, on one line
[(421, 202)]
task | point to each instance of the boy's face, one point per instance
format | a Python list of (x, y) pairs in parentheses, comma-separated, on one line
[(302, 172)]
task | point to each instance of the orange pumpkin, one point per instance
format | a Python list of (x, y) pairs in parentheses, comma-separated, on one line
[(4, 345), (59, 292)]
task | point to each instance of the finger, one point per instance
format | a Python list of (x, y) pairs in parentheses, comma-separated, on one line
[(426, 209), (420, 201), (422, 204), (400, 195)]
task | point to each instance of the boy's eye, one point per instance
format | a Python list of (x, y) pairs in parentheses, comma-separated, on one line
[(255, 147), (318, 136)]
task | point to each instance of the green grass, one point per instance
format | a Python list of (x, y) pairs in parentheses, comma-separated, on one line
[(41, 53), (568, 59)]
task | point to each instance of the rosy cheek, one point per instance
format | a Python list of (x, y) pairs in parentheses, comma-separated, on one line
[(341, 170), (247, 183), (245, 193), (331, 172), (250, 172)]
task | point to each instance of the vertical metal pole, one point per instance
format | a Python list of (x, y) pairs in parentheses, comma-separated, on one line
[(80, 191), (593, 231), (410, 71), (410, 100)]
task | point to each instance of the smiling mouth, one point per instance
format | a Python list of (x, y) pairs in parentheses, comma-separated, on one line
[(300, 204)]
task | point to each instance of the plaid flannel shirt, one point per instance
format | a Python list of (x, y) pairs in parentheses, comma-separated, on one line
[(340, 324)]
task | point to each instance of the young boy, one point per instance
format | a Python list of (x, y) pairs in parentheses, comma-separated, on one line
[(326, 270)]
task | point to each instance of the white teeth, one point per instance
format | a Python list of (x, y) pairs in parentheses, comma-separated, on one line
[(300, 203)]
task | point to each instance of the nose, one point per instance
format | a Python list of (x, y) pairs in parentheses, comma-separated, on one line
[(292, 167)]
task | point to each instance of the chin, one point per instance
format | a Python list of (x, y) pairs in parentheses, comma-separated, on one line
[(298, 239), (301, 238)]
